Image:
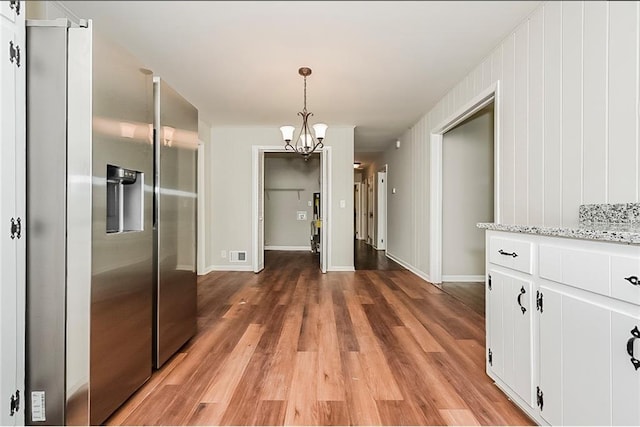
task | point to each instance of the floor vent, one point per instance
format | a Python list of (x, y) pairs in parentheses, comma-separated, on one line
[(237, 256)]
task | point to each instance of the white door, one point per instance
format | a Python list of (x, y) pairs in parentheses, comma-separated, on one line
[(12, 206), (381, 235), (325, 160), (259, 250)]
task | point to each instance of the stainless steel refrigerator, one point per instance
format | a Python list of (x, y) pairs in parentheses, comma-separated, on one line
[(89, 224), (175, 152)]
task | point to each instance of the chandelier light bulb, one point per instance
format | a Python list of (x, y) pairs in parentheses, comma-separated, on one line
[(320, 129), (287, 132)]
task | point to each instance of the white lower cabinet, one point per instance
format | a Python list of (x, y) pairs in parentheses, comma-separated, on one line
[(511, 339), (571, 356), (586, 374)]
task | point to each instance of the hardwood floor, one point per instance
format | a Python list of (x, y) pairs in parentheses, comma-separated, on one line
[(293, 346), (470, 294), (367, 258)]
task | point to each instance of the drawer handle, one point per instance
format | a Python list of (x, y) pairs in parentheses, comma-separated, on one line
[(636, 336), (511, 254), (633, 280), (522, 292)]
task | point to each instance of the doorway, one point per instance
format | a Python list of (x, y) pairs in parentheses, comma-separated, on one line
[(490, 95), (277, 189), (467, 198)]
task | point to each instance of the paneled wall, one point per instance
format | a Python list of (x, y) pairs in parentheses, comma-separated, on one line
[(569, 121)]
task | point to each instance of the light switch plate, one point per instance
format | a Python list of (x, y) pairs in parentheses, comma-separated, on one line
[(343, 203)]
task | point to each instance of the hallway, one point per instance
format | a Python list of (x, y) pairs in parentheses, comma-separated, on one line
[(293, 346)]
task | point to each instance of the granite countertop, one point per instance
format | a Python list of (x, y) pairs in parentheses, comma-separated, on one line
[(619, 222), (609, 232)]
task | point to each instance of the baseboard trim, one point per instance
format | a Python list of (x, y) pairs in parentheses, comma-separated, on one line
[(229, 268), (287, 248), (205, 271), (463, 278), (341, 268), (409, 267), (185, 267)]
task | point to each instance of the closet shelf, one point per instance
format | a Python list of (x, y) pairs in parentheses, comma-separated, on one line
[(298, 190)]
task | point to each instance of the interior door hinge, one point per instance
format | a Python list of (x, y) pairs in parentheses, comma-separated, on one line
[(490, 357), (489, 282), (539, 301), (539, 398), (15, 403), (16, 228)]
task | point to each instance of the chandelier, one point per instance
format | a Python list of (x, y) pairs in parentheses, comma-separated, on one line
[(305, 143)]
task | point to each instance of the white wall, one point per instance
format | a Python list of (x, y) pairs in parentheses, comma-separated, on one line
[(569, 123), (229, 218), (283, 173), (205, 206), (467, 196)]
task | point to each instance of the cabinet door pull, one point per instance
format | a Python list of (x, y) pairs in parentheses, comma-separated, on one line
[(633, 280), (511, 254), (636, 335), (522, 292)]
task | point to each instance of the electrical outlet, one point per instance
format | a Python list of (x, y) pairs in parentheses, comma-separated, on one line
[(223, 254), (302, 215)]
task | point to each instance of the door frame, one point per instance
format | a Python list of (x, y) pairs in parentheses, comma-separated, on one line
[(477, 103), (257, 226)]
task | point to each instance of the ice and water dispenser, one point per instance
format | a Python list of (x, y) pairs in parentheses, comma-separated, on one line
[(125, 200)]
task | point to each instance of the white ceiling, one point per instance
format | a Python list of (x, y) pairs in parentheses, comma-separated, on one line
[(377, 65)]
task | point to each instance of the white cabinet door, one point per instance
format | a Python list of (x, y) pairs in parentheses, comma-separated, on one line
[(511, 339), (495, 319), (11, 10), (625, 382), (586, 375), (12, 248)]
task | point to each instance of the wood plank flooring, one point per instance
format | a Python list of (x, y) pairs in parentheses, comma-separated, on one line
[(469, 293), (367, 258), (293, 346)]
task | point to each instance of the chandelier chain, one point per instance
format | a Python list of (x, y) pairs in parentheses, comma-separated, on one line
[(305, 94)]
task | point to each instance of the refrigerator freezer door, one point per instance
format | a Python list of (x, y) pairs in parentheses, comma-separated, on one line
[(121, 292), (176, 145)]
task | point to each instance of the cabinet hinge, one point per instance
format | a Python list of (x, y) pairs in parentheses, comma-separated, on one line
[(489, 282), (14, 54), (539, 398), (16, 228), (539, 301), (15, 4), (490, 357), (15, 403)]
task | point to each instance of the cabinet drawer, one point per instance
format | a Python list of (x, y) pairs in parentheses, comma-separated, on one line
[(511, 253), (588, 270), (625, 279)]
